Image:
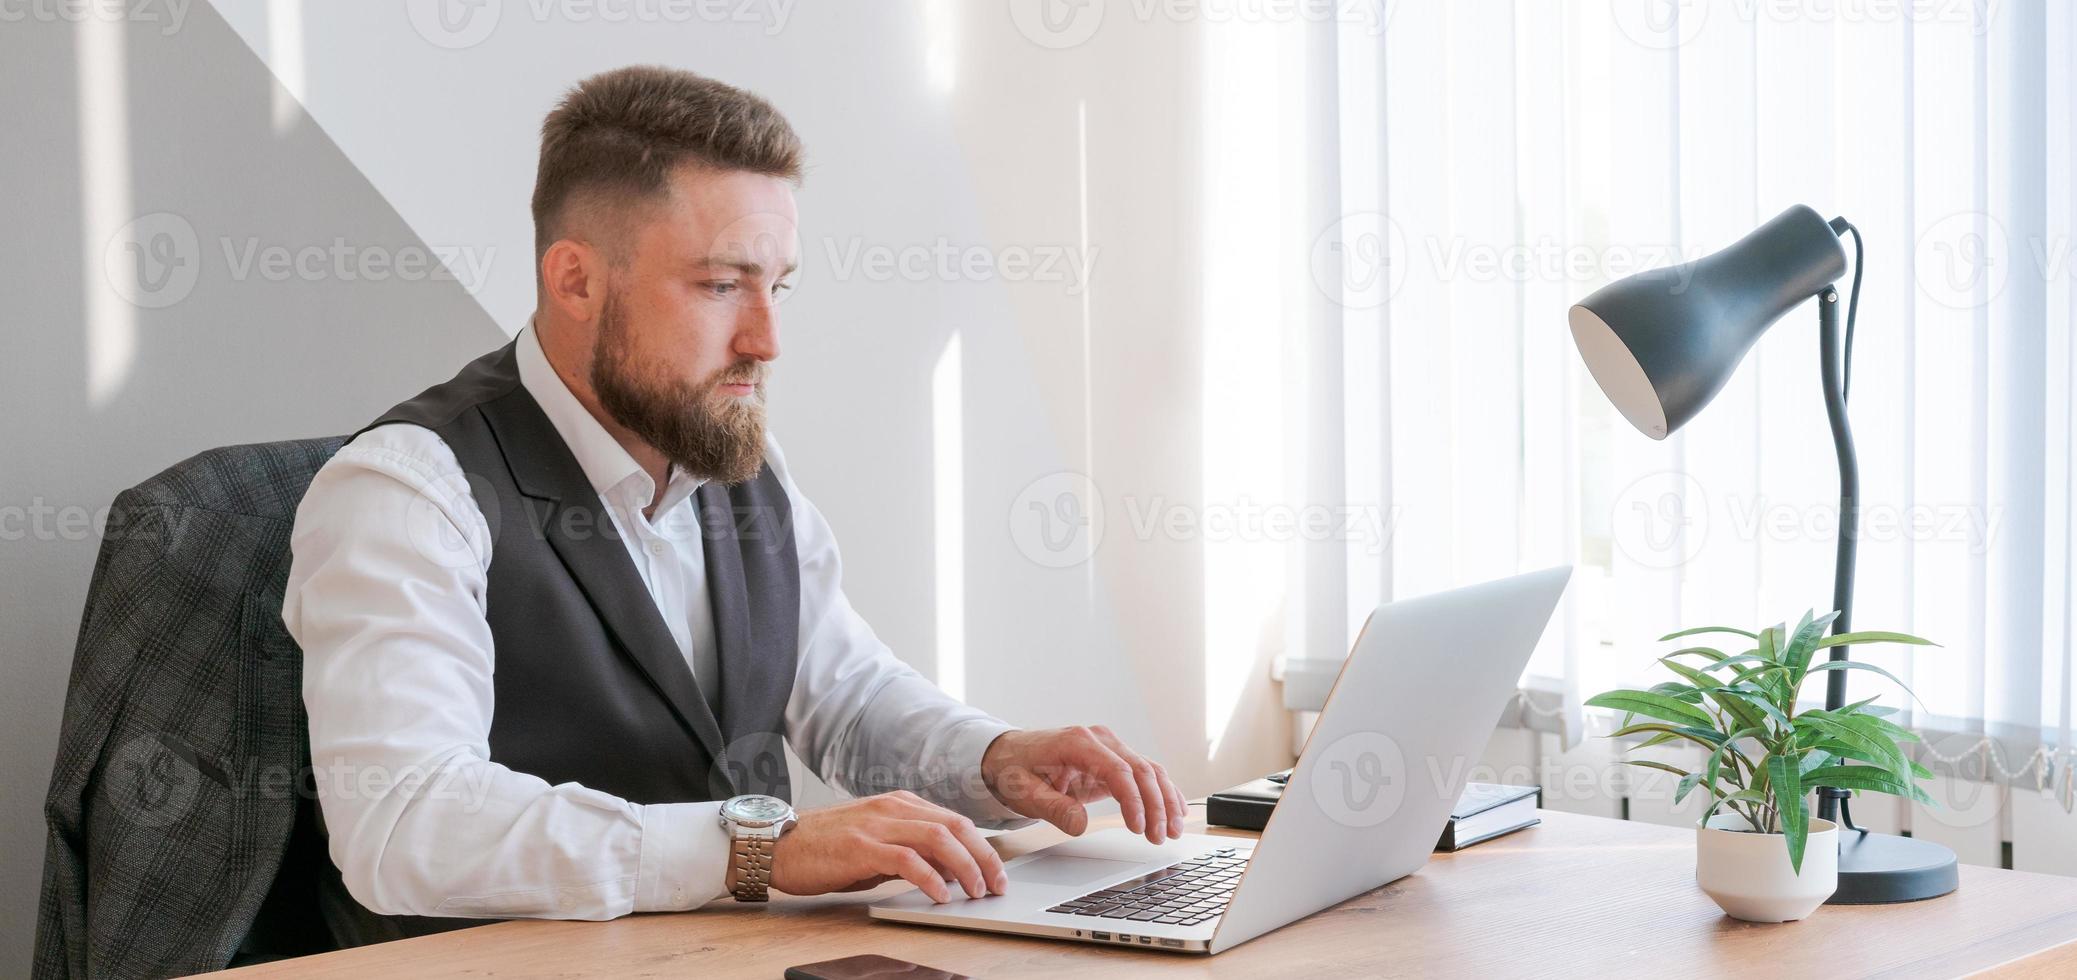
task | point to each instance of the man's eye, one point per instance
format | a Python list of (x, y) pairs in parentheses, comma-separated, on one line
[(721, 287), (781, 286)]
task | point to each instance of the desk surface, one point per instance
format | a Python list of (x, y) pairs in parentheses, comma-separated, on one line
[(1576, 896)]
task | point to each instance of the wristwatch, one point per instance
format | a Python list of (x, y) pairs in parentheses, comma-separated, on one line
[(754, 822)]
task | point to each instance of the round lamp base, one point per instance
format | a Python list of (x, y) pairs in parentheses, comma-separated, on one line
[(1877, 869)]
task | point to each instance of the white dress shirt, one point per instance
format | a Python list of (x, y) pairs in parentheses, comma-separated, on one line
[(386, 595)]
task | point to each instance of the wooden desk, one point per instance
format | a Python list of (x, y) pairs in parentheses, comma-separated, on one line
[(1577, 896)]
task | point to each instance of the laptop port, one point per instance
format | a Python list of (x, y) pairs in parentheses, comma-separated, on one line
[(1177, 943), (1146, 940), (1099, 935)]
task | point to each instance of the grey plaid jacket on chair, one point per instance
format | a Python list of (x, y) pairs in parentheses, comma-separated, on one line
[(181, 834)]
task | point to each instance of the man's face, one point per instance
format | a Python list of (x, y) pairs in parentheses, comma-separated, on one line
[(690, 320)]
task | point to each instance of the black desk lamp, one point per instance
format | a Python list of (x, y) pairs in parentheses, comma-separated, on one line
[(1662, 343)]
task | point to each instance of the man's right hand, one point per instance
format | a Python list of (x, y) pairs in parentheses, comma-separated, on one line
[(863, 843)]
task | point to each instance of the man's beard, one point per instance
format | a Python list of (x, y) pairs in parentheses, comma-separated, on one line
[(712, 436)]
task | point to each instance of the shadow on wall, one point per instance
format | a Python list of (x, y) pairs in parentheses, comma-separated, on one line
[(184, 270)]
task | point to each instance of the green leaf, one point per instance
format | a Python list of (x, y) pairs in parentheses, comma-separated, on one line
[(1748, 657), (1707, 738), (1698, 678), (1769, 645), (1705, 629), (1742, 796), (1843, 752), (1715, 762), (1858, 665), (1687, 785), (1760, 699), (1741, 713), (1867, 778), (1788, 802), (1653, 705), (1859, 734), (1660, 766), (1753, 675), (1706, 653), (1895, 731), (1803, 644), (1677, 690), (1873, 636)]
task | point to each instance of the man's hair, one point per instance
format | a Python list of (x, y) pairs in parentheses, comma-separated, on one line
[(615, 139)]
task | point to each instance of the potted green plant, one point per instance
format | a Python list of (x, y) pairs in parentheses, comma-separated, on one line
[(1759, 853)]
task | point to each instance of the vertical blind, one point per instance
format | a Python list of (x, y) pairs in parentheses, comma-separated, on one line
[(1492, 162)]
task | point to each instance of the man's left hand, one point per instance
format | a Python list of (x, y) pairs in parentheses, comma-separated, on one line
[(1051, 772)]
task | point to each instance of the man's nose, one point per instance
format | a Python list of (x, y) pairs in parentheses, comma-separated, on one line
[(757, 334)]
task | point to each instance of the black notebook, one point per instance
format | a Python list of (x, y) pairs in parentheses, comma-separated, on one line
[(1483, 812)]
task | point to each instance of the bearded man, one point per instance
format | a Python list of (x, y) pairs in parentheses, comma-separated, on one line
[(562, 614)]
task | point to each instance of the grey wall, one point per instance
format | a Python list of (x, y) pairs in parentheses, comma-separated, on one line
[(234, 360)]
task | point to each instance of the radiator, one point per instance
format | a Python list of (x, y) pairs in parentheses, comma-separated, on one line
[(1986, 823)]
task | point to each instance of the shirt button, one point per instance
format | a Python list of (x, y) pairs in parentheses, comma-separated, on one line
[(656, 547)]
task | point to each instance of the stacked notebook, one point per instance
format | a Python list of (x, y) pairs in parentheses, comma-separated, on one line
[(1483, 812)]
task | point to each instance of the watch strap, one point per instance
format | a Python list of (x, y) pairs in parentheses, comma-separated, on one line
[(752, 857)]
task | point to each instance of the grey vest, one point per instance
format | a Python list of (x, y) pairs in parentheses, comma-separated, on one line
[(590, 687)]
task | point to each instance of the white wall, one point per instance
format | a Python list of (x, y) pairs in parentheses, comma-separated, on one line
[(928, 125)]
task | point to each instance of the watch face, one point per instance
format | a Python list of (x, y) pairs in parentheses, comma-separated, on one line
[(755, 809)]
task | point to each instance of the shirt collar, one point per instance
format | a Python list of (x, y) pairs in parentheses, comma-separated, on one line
[(614, 474)]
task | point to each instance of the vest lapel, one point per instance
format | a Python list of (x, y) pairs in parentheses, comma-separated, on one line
[(568, 513)]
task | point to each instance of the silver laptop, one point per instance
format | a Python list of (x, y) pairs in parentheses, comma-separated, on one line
[(1405, 723)]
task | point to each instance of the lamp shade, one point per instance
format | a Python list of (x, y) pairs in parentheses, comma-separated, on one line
[(1662, 343)]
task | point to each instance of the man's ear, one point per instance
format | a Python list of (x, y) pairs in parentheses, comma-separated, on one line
[(573, 277)]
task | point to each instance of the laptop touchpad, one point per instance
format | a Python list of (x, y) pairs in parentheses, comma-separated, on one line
[(1060, 869)]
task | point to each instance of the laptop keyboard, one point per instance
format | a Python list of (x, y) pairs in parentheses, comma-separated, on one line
[(1183, 894)]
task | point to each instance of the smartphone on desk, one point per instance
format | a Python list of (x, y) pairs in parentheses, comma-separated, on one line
[(871, 966)]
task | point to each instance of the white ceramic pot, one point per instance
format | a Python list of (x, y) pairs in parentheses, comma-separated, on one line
[(1748, 874)]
